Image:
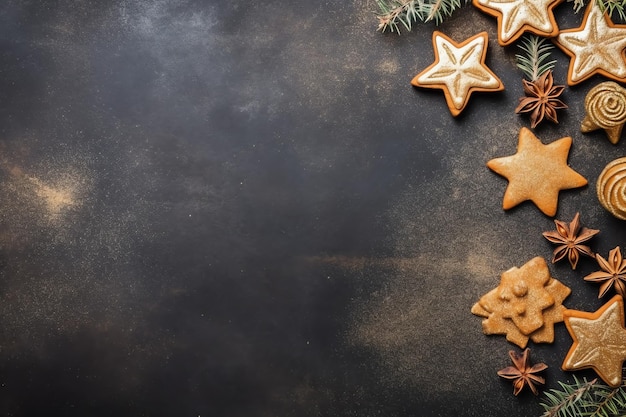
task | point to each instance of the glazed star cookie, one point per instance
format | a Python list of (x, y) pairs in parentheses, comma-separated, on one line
[(599, 341), (515, 17), (537, 172), (459, 70), (596, 47), (525, 305)]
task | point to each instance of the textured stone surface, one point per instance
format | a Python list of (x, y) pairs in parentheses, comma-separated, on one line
[(245, 209)]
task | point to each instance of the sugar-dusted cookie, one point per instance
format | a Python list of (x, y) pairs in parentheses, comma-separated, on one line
[(521, 295), (611, 188), (537, 172), (596, 47), (525, 305), (497, 325), (552, 314), (459, 70), (605, 107), (515, 17), (599, 341)]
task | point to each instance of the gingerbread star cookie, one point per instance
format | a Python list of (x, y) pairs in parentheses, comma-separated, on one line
[(525, 305), (537, 172), (599, 341), (459, 70), (596, 47), (515, 17)]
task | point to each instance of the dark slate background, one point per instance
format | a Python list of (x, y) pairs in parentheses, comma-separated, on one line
[(242, 208)]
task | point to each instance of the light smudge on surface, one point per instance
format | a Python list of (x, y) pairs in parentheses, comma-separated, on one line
[(55, 199), (66, 254)]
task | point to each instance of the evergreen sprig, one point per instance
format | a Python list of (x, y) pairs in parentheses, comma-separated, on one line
[(533, 62), (614, 6), (585, 398), (578, 4), (393, 13), (610, 6)]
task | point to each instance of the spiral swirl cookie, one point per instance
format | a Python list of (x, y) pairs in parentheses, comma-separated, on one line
[(611, 188), (605, 106)]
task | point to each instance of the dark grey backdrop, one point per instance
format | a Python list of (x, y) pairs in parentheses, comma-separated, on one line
[(242, 208)]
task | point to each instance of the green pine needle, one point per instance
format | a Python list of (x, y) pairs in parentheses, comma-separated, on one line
[(578, 5), (533, 62), (584, 398), (395, 13), (612, 7)]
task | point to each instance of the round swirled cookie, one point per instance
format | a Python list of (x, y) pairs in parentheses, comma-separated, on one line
[(611, 188), (605, 107)]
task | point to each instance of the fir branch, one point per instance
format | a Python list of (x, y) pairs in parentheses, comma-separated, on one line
[(393, 13), (609, 403), (613, 6), (533, 61), (578, 5), (438, 10), (558, 403), (585, 398)]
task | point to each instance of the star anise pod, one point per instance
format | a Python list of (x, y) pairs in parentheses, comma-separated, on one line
[(542, 99), (613, 273), (570, 237), (522, 373)]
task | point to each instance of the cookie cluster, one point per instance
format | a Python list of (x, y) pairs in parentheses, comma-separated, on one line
[(459, 69), (528, 302)]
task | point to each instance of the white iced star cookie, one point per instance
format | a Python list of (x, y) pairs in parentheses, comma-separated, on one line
[(596, 47), (515, 17), (459, 70)]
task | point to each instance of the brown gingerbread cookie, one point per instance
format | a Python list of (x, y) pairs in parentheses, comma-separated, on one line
[(528, 290), (537, 172)]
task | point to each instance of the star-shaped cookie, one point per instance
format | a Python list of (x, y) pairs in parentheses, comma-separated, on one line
[(599, 341), (459, 70), (518, 16), (596, 47), (537, 172)]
